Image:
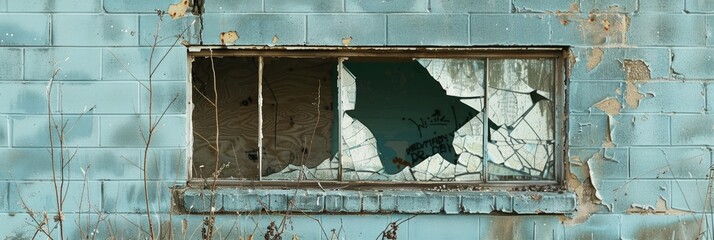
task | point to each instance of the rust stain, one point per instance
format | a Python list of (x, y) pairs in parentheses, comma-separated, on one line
[(636, 71), (611, 106), (346, 41), (229, 37), (594, 58), (178, 10)]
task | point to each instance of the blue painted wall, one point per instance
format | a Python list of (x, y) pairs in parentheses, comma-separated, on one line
[(639, 171)]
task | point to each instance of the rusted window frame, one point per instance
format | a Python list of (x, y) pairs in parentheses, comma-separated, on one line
[(559, 54)]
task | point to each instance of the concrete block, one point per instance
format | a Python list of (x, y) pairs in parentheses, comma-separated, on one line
[(659, 97), (627, 130), (661, 6), (167, 164), (278, 200), (233, 6), (521, 227), (692, 129), (420, 203), (99, 97), (477, 203), (307, 201), (54, 6), (611, 63), (621, 195), (4, 131), (469, 6), (428, 29), (710, 97), (388, 202), (509, 29), (40, 196), (133, 63), (679, 163), (333, 202), (68, 63), (3, 5), (311, 6), (24, 30), (11, 63), (129, 197), (105, 164), (185, 29), (240, 200), (692, 196), (131, 131), (23, 97), (333, 29), (357, 226), (667, 30), (137, 6), (32, 131), (202, 201), (693, 63), (587, 130), (603, 163), (452, 204), (597, 226), (543, 203), (17, 226), (397, 6), (661, 226), (559, 6), (710, 31), (585, 95), (353, 202), (503, 203), (169, 97), (589, 30), (698, 6), (444, 227), (27, 164), (97, 30), (256, 29), (370, 202), (4, 189), (619, 6)]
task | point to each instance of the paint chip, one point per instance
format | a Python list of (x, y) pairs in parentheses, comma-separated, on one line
[(275, 39), (178, 10), (346, 41), (229, 37), (611, 106)]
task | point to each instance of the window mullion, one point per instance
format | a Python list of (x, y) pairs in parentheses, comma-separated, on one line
[(340, 114), (260, 118), (484, 120)]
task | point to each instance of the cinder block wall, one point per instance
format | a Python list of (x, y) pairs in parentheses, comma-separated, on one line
[(640, 109)]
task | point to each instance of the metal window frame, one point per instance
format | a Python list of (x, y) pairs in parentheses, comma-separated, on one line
[(559, 54)]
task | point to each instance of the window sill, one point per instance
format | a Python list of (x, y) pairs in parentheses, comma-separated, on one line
[(232, 200)]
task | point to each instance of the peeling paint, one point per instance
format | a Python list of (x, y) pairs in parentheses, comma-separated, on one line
[(275, 39), (588, 197), (611, 106), (659, 208), (599, 28), (635, 71), (229, 37), (594, 58), (178, 10), (346, 41)]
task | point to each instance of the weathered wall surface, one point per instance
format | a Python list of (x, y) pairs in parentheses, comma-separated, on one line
[(640, 110)]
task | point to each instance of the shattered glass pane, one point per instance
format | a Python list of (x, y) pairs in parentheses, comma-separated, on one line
[(412, 120), (520, 107), (237, 90), (298, 119)]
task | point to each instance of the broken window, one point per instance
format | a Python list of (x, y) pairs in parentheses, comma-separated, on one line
[(471, 116)]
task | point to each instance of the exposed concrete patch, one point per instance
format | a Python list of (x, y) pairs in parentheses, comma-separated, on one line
[(275, 39), (588, 197), (598, 28), (611, 106), (636, 71), (229, 37), (178, 10), (594, 58), (608, 134), (346, 41)]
